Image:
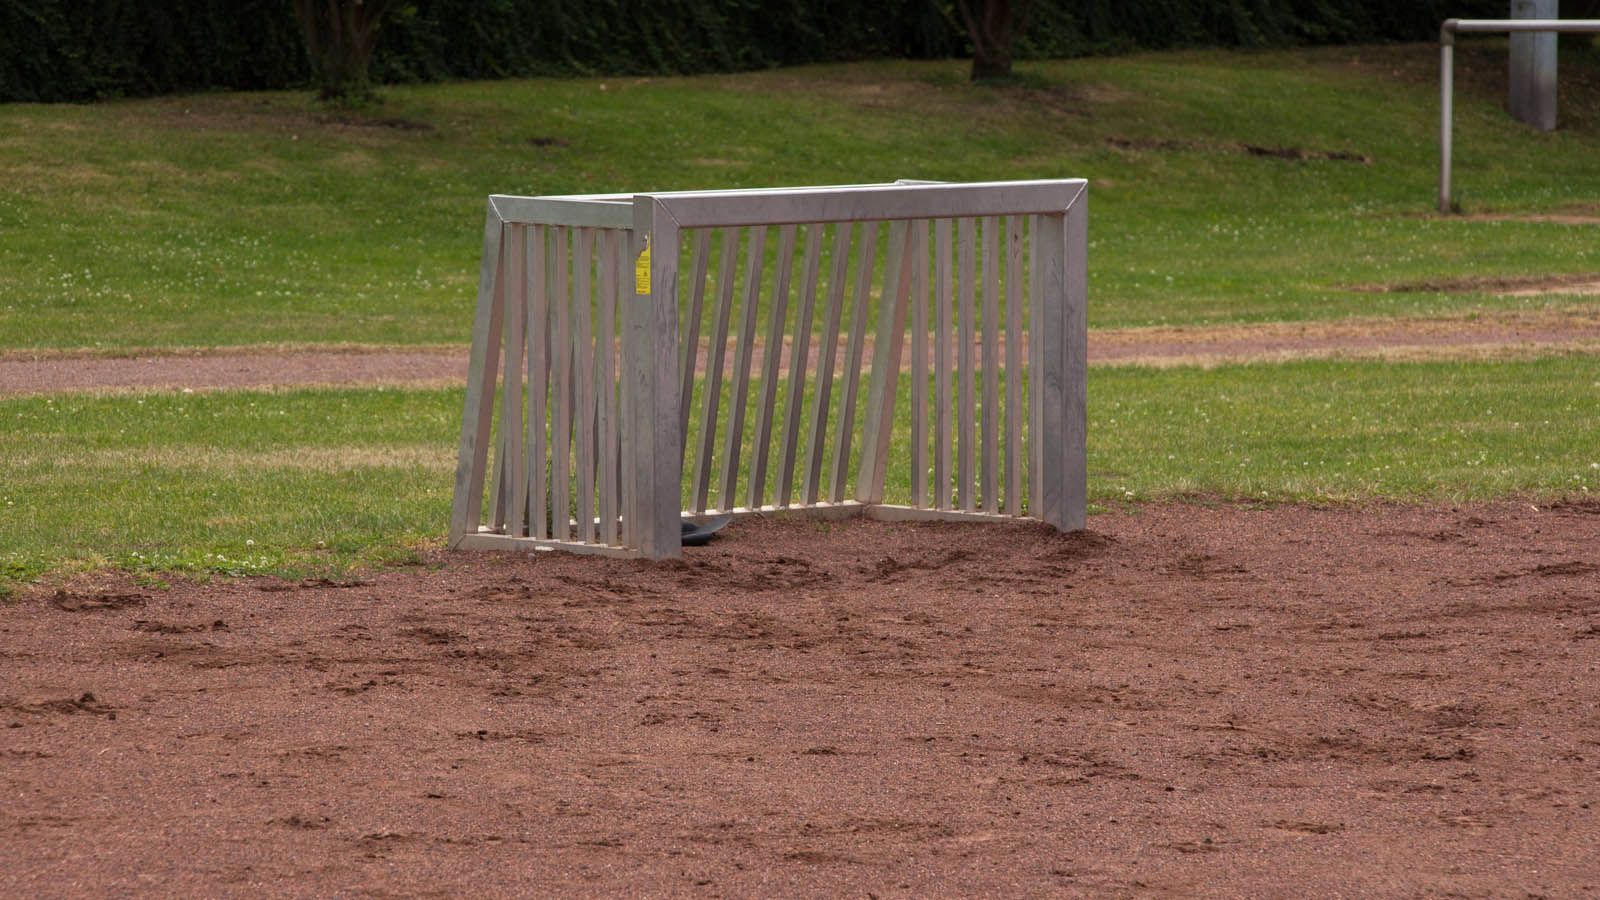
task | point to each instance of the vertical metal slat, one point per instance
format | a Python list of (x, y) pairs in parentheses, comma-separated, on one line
[(798, 361), (538, 326), (919, 364), (825, 364), (711, 393), (561, 390), (886, 354), (1013, 368), (690, 338), (511, 399), (733, 440), (1035, 367), (966, 402), (941, 366), (605, 382), (865, 264), (989, 476), (770, 367), (583, 380)]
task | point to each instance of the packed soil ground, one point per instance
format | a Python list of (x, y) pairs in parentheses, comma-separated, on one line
[(1374, 701), (1499, 334)]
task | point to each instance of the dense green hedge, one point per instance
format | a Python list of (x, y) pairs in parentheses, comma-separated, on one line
[(85, 49)]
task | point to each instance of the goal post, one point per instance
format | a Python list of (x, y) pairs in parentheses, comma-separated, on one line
[(1447, 44), (638, 359)]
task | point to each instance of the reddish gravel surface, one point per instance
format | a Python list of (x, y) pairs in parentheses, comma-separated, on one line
[(1388, 701)]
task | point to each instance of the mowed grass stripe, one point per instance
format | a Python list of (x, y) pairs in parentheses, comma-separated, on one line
[(1346, 431), (298, 481)]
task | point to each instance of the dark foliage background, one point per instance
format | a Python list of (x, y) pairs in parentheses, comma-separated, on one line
[(53, 50)]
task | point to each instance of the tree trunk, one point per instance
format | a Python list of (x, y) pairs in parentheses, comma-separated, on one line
[(994, 30), (340, 36), (986, 67)]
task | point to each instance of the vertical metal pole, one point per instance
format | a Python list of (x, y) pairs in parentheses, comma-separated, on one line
[(652, 379), (1446, 90), (1063, 282), (1532, 72), (478, 414), (1076, 343), (1053, 380)]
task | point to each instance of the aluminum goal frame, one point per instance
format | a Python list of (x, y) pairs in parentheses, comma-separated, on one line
[(577, 336)]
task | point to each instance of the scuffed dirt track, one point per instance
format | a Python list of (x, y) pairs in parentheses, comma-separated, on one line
[(233, 368), (1216, 701), (1489, 335)]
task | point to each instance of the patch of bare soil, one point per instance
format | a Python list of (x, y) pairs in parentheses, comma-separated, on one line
[(1578, 214), (1354, 702), (1565, 218), (1291, 153), (1505, 285), (1498, 334), (1572, 289), (203, 113)]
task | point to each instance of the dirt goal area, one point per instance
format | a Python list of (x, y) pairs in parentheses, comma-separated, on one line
[(1187, 699)]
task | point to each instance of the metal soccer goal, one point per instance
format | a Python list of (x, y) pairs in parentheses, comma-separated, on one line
[(641, 358)]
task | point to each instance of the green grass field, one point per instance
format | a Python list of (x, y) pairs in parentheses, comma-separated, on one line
[(249, 218), (229, 219)]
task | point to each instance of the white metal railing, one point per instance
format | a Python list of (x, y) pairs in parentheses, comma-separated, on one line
[(1447, 42), (606, 327)]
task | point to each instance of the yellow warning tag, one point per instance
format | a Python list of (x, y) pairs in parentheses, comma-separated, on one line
[(641, 270)]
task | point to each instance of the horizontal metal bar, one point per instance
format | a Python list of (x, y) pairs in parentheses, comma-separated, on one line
[(485, 540), (886, 512), (613, 198), (570, 212), (1452, 27), (847, 509), (608, 210), (844, 509), (857, 204)]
